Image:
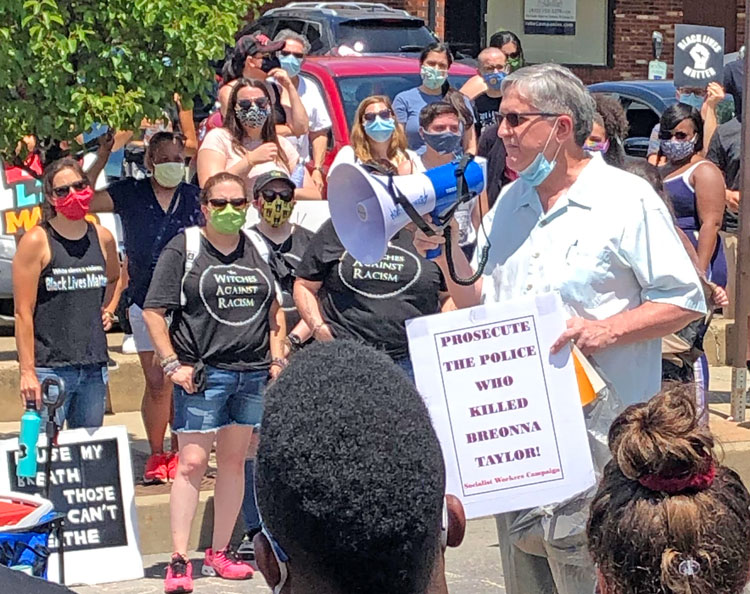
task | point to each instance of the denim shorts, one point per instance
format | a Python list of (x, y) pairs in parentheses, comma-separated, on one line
[(85, 394), (230, 398)]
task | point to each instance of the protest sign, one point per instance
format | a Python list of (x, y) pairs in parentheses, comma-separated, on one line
[(92, 483), (698, 55), (507, 413)]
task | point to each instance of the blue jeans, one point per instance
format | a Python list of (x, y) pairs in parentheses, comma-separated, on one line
[(230, 398), (85, 394)]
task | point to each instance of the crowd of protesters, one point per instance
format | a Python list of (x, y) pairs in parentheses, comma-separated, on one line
[(231, 323)]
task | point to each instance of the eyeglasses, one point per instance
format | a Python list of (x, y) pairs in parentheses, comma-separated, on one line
[(516, 119), (297, 55), (271, 195), (222, 202), (259, 102), (383, 115), (668, 134), (62, 191)]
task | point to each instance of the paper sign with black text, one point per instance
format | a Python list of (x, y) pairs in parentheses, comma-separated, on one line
[(507, 413), (92, 483), (698, 55)]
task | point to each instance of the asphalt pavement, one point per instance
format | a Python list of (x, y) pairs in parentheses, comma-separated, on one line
[(473, 568)]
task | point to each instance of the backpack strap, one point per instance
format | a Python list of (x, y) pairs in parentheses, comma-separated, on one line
[(192, 251), (261, 247)]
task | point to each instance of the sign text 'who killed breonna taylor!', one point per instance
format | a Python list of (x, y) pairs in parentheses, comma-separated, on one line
[(507, 413)]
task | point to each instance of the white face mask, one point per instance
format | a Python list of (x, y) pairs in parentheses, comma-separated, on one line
[(169, 175)]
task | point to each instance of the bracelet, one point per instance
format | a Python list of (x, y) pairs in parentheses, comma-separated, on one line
[(110, 315), (171, 367), (167, 360), (282, 363), (318, 168)]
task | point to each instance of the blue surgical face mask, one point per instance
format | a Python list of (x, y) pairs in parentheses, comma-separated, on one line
[(494, 80), (540, 167), (379, 129), (443, 142), (692, 100), (291, 64)]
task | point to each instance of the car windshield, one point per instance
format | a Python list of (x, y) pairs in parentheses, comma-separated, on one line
[(354, 89), (384, 37)]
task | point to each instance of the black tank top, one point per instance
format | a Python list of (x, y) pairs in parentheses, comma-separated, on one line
[(68, 319)]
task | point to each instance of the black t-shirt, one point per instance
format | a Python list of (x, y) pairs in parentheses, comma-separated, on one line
[(225, 322), (486, 108), (725, 152), (734, 82), (492, 148), (290, 253), (148, 228), (371, 303)]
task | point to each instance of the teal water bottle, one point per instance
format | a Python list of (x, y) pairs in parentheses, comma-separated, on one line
[(30, 423)]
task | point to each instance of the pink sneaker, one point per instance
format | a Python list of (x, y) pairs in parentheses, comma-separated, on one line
[(225, 564), (172, 459), (155, 472), (179, 576)]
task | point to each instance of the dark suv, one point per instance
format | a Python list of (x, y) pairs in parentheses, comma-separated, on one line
[(365, 27)]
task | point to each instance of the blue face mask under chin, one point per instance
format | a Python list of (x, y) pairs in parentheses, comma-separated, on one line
[(540, 167), (692, 100), (380, 130)]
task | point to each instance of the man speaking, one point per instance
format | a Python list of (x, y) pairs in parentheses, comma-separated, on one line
[(603, 240)]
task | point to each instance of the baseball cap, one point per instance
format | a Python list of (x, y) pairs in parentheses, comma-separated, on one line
[(257, 43), (265, 178)]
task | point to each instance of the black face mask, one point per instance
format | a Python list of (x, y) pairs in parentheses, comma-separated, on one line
[(269, 63)]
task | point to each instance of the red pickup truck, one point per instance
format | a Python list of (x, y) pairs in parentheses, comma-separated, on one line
[(345, 81)]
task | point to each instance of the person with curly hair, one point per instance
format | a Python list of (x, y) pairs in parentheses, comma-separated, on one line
[(609, 130), (668, 518)]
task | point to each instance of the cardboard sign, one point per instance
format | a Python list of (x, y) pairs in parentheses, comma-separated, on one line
[(92, 483), (507, 413), (698, 55)]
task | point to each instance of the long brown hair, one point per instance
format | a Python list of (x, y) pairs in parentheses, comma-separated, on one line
[(360, 141), (667, 518), (48, 209), (268, 131)]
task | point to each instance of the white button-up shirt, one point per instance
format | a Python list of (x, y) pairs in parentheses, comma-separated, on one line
[(606, 246)]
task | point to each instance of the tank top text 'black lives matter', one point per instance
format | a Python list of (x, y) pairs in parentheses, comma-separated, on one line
[(67, 318)]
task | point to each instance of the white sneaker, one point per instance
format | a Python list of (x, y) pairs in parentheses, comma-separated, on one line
[(128, 345)]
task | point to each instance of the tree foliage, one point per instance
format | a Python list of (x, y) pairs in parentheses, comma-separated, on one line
[(65, 64)]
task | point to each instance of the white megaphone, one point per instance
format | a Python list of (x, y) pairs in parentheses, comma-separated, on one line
[(365, 215)]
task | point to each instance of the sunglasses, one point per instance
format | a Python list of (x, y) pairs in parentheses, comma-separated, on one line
[(668, 135), (271, 195), (383, 115), (516, 119), (222, 202), (297, 55), (260, 103), (62, 191)]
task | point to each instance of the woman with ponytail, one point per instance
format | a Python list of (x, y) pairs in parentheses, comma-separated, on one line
[(435, 61), (668, 518)]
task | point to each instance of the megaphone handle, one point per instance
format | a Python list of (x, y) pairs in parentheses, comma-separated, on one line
[(434, 253)]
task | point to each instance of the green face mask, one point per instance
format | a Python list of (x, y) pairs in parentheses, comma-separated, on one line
[(227, 220)]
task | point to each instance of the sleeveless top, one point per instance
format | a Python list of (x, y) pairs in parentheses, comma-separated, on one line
[(67, 318), (684, 203)]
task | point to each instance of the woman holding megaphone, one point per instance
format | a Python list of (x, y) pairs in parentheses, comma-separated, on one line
[(339, 297)]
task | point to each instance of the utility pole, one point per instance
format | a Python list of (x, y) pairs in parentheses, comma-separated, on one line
[(742, 292)]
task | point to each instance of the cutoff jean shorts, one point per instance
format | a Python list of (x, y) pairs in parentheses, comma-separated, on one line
[(230, 398), (85, 394)]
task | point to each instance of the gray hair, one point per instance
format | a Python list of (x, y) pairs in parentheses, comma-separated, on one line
[(555, 89), (285, 34)]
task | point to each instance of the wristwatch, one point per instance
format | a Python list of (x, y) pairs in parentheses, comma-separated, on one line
[(295, 342)]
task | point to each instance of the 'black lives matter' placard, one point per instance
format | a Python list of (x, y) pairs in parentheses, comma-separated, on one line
[(698, 55), (85, 485)]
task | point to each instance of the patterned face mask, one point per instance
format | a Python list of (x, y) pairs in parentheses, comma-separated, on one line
[(677, 150), (276, 212), (253, 116)]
